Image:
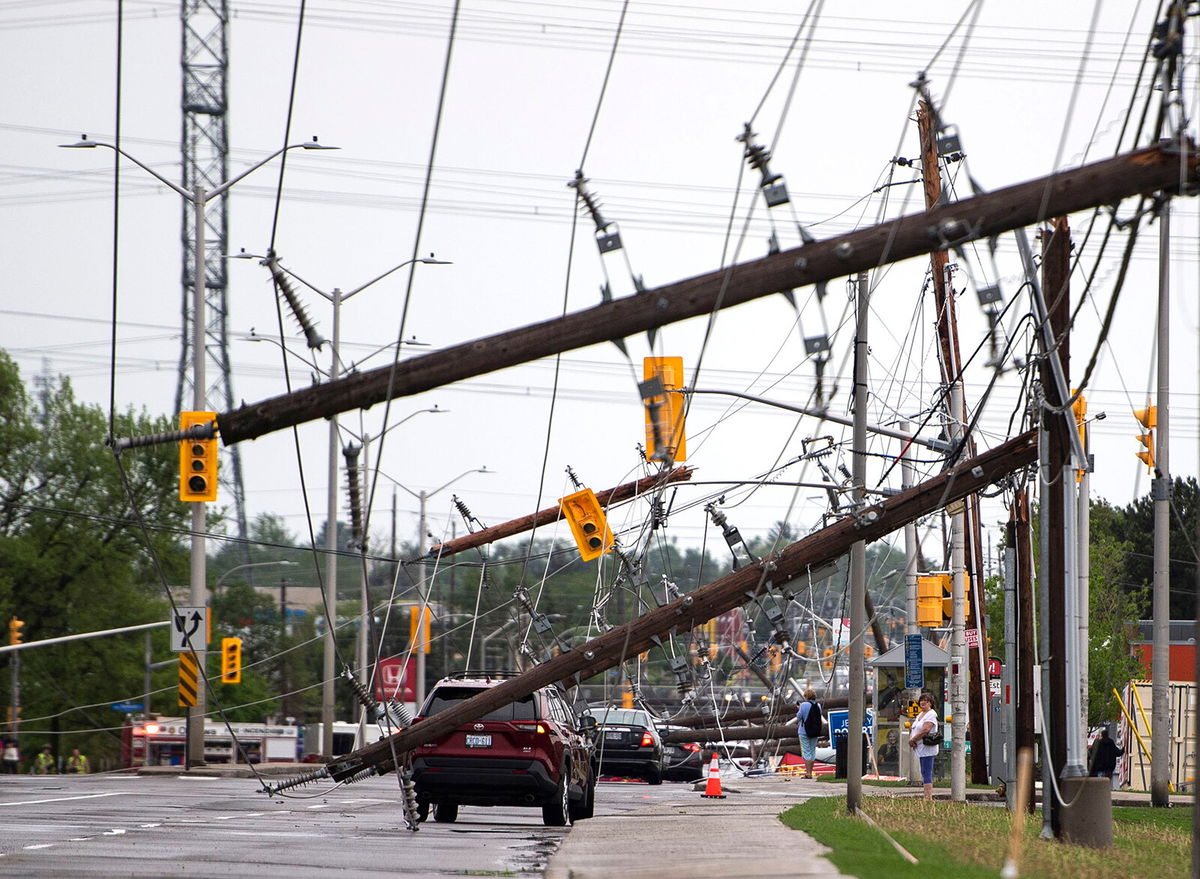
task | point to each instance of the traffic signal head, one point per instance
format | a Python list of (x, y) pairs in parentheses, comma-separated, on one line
[(929, 599), (231, 660), (1148, 419), (197, 460), (14, 631), (666, 439), (588, 524), (420, 627)]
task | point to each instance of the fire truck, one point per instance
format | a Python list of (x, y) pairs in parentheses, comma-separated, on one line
[(161, 741)]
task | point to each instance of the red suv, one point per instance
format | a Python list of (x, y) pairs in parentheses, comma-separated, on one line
[(533, 752)]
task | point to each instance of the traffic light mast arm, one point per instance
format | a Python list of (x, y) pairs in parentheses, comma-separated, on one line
[(45, 642)]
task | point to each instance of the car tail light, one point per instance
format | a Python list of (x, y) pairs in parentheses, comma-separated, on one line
[(647, 739), (534, 726), (691, 746)]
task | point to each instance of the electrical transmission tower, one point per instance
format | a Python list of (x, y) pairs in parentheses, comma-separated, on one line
[(205, 161)]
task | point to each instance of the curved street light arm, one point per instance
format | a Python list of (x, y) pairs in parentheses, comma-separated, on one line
[(209, 195), (85, 144)]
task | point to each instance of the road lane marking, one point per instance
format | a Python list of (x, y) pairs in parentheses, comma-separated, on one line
[(30, 848), (66, 799)]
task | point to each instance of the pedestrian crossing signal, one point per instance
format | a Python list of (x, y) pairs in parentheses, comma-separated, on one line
[(231, 660)]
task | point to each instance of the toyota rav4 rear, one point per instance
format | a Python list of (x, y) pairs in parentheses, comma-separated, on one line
[(533, 752)]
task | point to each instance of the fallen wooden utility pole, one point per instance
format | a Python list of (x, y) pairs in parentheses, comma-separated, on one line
[(1100, 183), (731, 733), (707, 602), (553, 514)]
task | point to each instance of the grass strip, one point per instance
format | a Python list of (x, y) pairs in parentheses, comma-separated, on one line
[(971, 840)]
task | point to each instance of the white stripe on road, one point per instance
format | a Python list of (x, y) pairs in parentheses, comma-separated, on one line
[(65, 799)]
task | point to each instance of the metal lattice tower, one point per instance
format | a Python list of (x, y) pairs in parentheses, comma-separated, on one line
[(205, 160)]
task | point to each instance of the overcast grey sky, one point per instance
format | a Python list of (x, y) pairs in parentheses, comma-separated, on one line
[(523, 87)]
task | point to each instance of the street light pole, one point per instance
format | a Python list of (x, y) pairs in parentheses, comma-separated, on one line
[(283, 562), (199, 198), (331, 560), (422, 499), (336, 298)]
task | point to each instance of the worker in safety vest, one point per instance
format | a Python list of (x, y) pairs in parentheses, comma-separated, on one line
[(78, 762), (43, 763)]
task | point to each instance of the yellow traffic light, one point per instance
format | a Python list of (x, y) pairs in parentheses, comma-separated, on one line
[(1079, 408), (665, 435), (930, 590), (14, 631), (197, 460), (588, 524), (1148, 419), (419, 640), (948, 597), (231, 660), (827, 662)]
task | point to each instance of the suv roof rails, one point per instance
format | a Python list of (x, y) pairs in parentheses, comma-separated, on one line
[(475, 673)]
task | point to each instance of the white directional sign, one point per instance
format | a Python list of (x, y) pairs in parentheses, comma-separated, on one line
[(189, 629)]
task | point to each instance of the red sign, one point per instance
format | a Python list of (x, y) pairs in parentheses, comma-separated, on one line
[(995, 667), (396, 680)]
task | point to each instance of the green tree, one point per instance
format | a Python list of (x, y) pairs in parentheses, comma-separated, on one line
[(87, 543), (1112, 612), (1136, 528)]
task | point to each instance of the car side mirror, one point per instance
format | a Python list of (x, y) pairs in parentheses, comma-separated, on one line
[(587, 723)]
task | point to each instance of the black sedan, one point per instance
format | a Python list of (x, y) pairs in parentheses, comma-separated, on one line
[(628, 744)]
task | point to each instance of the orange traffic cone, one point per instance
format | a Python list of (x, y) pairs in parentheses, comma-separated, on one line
[(712, 790)]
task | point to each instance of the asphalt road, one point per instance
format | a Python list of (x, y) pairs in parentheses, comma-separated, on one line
[(124, 825)]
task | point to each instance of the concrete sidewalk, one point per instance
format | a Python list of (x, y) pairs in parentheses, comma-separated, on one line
[(739, 836)]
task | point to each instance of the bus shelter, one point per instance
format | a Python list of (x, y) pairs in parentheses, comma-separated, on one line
[(895, 705)]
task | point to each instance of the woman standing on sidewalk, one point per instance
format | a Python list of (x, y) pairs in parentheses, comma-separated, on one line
[(925, 724)]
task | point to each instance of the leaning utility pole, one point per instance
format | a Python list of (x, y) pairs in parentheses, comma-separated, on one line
[(205, 147), (607, 498), (965, 524), (1100, 183)]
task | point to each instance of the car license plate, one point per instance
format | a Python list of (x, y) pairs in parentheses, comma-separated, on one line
[(479, 741), (614, 735)]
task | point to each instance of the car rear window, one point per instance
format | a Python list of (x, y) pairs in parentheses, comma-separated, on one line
[(621, 715), (449, 697)]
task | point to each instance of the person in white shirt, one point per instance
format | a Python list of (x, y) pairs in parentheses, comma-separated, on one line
[(926, 723)]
